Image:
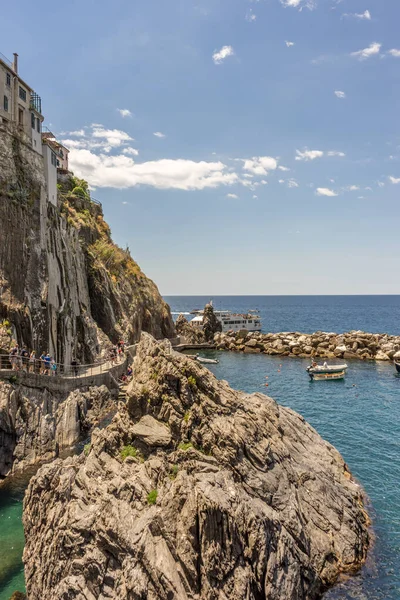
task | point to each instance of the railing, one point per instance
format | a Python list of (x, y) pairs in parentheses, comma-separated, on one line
[(37, 366), (6, 60), (36, 102), (96, 201)]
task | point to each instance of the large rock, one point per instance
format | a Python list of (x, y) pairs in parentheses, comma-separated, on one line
[(35, 424), (211, 325), (248, 502)]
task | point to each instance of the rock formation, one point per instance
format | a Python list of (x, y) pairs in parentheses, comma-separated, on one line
[(65, 287), (191, 334), (354, 344), (211, 325), (194, 491), (35, 424)]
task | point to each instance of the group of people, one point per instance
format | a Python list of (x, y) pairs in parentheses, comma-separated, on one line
[(117, 352), (23, 360)]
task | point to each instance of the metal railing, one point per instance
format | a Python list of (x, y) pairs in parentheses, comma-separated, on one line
[(37, 366), (6, 60)]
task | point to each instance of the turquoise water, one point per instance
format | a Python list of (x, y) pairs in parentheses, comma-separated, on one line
[(11, 537)]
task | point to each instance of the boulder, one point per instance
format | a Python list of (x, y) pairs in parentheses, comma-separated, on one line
[(381, 356), (151, 432), (247, 502)]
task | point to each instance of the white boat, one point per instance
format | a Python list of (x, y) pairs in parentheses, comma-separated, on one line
[(230, 321), (326, 372), (209, 361)]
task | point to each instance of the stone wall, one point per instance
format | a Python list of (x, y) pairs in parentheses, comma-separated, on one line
[(354, 344)]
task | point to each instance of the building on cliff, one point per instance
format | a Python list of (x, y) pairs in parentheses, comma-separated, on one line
[(20, 105), (21, 114)]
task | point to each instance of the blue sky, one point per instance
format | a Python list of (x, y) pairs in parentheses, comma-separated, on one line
[(276, 164)]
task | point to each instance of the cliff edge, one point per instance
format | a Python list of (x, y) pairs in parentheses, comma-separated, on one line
[(65, 287), (194, 491)]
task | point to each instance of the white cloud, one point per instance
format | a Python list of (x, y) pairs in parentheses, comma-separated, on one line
[(325, 192), (130, 151), (121, 171), (113, 137), (353, 188), (289, 44), (300, 4), (340, 94), (372, 50), (222, 54), (250, 16), (79, 133), (281, 181), (124, 112), (394, 180), (233, 196), (255, 197), (260, 165), (282, 168), (159, 134), (362, 16), (381, 184), (394, 52), (308, 154), (336, 153), (292, 183)]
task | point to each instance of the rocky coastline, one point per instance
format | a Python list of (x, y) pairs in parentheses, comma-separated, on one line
[(351, 345), (194, 491)]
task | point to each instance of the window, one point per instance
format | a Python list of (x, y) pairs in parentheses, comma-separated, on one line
[(22, 93), (20, 116), (33, 120), (8, 79), (53, 159), (5, 103), (38, 125)]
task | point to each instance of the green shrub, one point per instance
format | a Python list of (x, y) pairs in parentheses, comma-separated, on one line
[(86, 449), (192, 382), (128, 451), (185, 446), (13, 379), (173, 472), (186, 416), (152, 497)]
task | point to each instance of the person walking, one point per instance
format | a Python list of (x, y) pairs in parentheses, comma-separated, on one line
[(24, 358), (32, 361), (53, 367), (74, 365), (47, 361), (42, 368)]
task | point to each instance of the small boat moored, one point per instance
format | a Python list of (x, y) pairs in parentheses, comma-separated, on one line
[(207, 361), (397, 365), (326, 372)]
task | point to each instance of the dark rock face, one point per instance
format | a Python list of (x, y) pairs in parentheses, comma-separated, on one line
[(65, 287), (36, 424), (194, 491), (211, 325)]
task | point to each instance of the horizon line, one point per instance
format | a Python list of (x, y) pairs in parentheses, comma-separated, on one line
[(276, 295)]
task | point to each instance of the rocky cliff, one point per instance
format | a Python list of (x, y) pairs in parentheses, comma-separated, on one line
[(194, 491), (64, 285), (36, 424)]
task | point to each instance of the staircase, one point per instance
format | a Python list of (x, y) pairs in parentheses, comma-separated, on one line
[(122, 393)]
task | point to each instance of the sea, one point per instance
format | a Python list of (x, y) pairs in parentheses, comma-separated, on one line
[(360, 416)]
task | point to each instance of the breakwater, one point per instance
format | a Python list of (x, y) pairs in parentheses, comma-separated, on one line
[(353, 344)]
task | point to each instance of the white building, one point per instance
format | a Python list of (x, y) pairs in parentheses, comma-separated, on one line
[(20, 106), (50, 172)]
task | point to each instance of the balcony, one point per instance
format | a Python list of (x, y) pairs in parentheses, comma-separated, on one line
[(36, 102)]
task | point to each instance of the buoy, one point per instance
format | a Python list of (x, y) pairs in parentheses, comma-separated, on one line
[(266, 377), (267, 384)]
